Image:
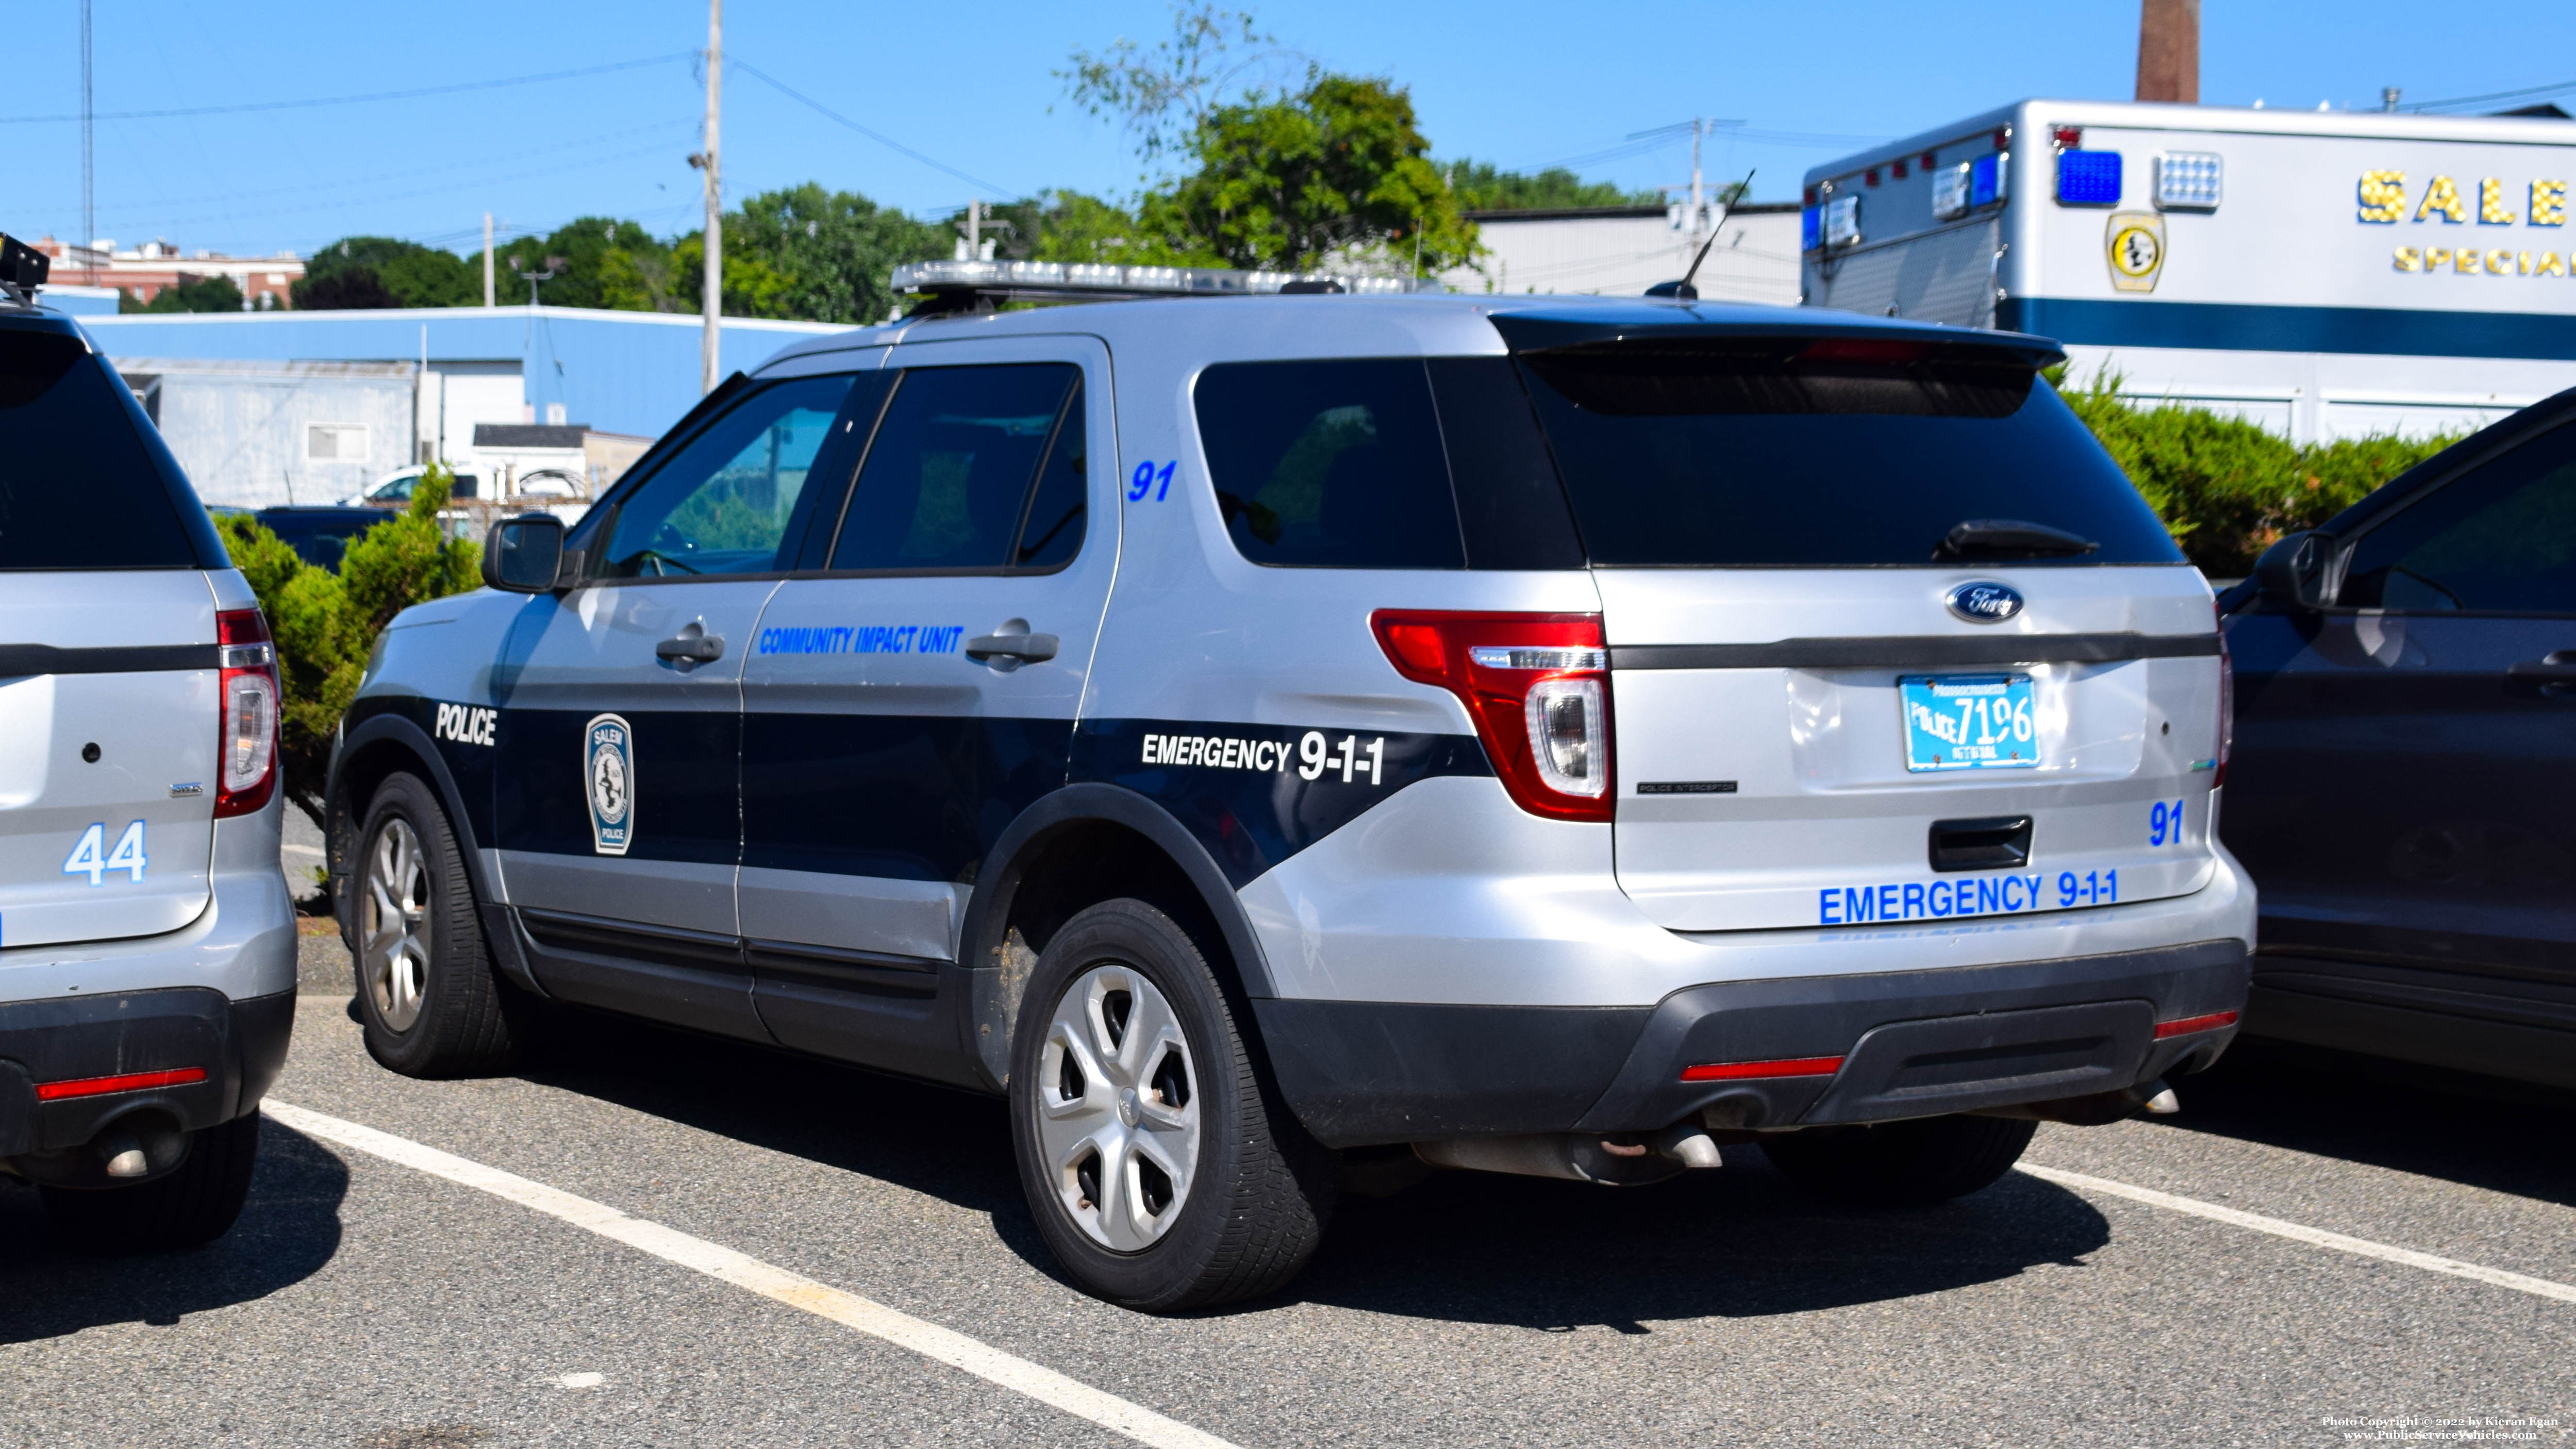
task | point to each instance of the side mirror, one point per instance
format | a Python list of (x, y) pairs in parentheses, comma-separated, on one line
[(524, 555), (2291, 574)]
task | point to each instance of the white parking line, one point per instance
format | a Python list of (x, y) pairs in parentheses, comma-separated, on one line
[(2296, 1232), (743, 1271)]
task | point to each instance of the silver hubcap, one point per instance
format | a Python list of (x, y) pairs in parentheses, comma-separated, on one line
[(1118, 1108), (393, 924)]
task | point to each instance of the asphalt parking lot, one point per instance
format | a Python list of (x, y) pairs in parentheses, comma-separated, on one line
[(365, 1300)]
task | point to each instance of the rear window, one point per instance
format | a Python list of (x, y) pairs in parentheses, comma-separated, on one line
[(78, 489), (1386, 463), (1840, 452)]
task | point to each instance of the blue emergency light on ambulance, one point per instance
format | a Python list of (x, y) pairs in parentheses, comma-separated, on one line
[(2088, 178)]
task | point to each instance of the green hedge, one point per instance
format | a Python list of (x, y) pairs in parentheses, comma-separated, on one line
[(2227, 487)]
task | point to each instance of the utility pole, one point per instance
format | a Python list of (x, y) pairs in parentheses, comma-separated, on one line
[(1699, 128), (715, 199), (89, 154), (487, 259)]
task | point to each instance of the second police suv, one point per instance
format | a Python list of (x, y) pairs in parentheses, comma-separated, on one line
[(1288, 736)]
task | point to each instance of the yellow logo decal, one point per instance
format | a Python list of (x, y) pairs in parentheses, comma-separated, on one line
[(2137, 248)]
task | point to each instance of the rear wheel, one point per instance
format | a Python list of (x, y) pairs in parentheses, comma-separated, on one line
[(1901, 1164), (1157, 1172), (427, 996), (192, 1204)]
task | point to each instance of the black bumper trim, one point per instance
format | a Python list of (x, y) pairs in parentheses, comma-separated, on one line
[(1915, 1043), (240, 1044)]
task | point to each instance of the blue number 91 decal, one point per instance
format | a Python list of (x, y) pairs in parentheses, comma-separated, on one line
[(1146, 478), (2164, 823)]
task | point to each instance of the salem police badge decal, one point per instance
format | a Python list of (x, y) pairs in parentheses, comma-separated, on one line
[(608, 777)]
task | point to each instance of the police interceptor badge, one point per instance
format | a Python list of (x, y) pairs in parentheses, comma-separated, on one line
[(608, 775)]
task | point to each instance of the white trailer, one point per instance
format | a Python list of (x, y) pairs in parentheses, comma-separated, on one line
[(2326, 273)]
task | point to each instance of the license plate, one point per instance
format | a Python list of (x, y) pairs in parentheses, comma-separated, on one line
[(1968, 722)]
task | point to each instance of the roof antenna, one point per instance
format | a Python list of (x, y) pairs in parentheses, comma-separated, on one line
[(1683, 288)]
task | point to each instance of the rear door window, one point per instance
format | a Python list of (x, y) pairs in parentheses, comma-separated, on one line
[(1823, 453), (2501, 538), (78, 488), (948, 481)]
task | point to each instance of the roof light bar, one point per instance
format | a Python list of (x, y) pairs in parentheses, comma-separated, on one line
[(1096, 282)]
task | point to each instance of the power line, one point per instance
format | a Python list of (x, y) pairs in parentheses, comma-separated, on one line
[(413, 94), (999, 191), (2523, 94)]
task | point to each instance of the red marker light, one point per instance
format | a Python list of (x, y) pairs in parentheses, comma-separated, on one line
[(1752, 1071), (129, 1082), (2068, 138), (2190, 1024)]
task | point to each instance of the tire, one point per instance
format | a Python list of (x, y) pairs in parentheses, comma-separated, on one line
[(1168, 1072), (194, 1204), (427, 996), (1901, 1164)]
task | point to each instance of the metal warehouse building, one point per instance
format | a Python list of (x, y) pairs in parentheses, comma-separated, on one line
[(266, 408)]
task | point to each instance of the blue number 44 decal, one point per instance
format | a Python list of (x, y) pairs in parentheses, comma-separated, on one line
[(1146, 478), (92, 857)]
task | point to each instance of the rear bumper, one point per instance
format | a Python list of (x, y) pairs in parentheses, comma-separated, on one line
[(1910, 1043), (239, 1045)]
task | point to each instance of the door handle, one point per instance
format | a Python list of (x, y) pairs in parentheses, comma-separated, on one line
[(693, 645), (1013, 641), (2553, 674)]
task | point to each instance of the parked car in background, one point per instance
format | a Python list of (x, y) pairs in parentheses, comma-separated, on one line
[(2404, 778), (147, 939), (394, 489), (320, 535)]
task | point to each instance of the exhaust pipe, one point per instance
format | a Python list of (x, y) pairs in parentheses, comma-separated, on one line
[(2099, 1109), (1618, 1160)]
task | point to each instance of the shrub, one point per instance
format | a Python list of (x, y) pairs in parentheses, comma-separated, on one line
[(2226, 487), (326, 623)]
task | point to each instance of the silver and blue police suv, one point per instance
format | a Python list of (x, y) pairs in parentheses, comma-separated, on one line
[(1266, 735), (147, 940)]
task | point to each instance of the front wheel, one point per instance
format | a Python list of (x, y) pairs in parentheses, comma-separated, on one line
[(427, 996), (1157, 1173), (1901, 1164)]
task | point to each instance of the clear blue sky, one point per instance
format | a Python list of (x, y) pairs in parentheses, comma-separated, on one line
[(971, 85)]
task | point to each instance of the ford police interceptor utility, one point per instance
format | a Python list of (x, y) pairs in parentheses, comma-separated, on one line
[(1276, 733), (147, 941)]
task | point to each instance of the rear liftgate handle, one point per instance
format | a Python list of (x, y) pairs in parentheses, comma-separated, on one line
[(693, 646), (1011, 646)]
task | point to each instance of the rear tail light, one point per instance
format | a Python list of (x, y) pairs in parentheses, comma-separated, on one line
[(246, 738), (1538, 688)]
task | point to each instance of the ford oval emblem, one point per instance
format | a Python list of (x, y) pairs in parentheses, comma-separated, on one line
[(1985, 602)]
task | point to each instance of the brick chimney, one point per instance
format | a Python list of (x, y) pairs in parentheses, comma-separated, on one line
[(2169, 51)]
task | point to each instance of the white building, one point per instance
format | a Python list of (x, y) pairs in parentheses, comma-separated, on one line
[(1622, 250), (2327, 273)]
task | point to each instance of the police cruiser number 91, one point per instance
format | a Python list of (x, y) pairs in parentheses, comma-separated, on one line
[(1378, 733)]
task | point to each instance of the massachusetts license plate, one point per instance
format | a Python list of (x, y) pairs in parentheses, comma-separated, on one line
[(1968, 722)]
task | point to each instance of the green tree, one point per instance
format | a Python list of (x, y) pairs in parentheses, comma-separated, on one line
[(1337, 170), (1483, 186), (190, 294), (601, 259), (818, 255), (1162, 95), (326, 623), (380, 271)]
